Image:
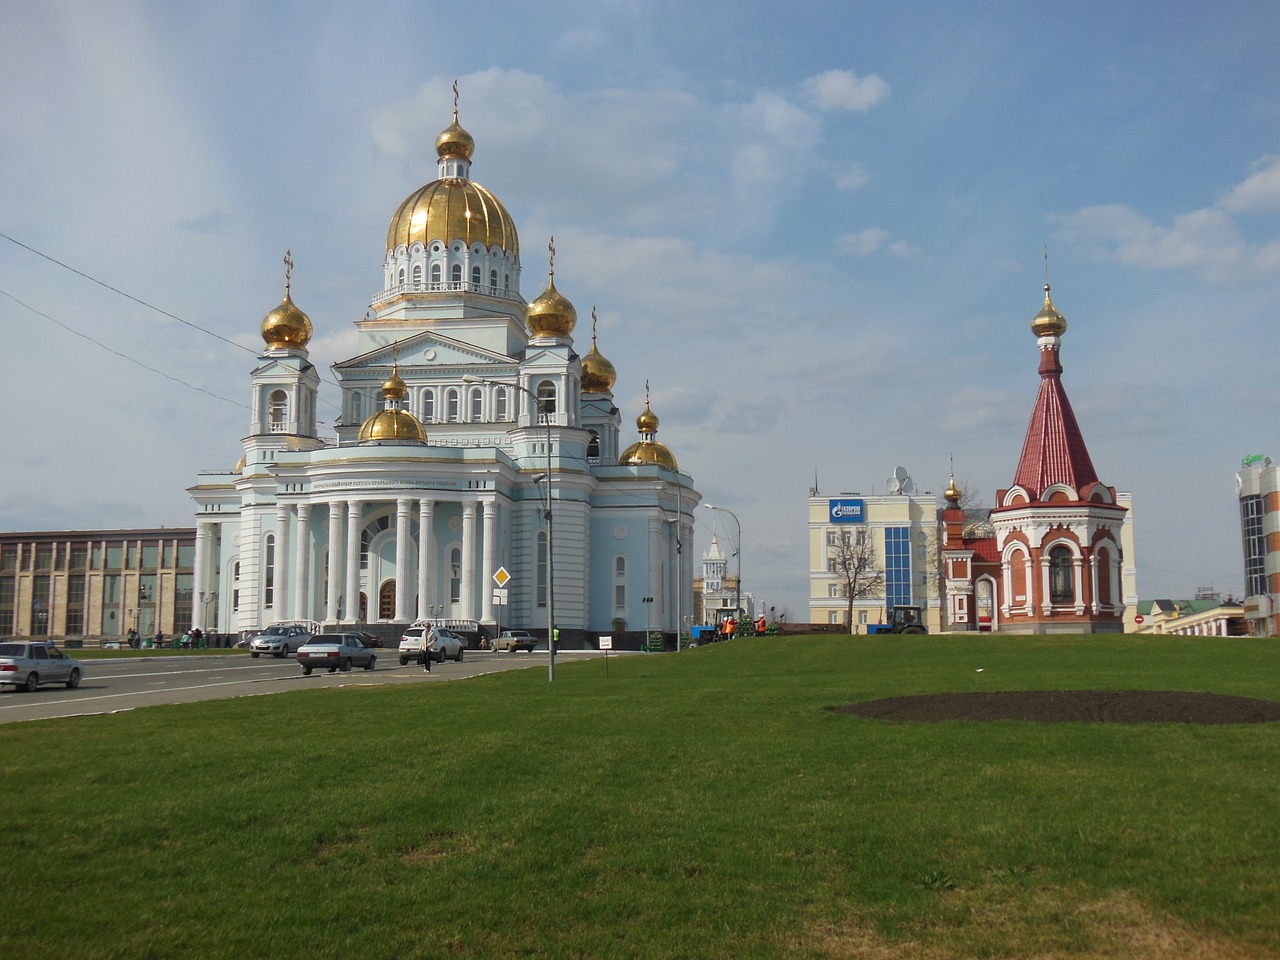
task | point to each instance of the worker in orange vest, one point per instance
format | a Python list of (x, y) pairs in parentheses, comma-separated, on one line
[(760, 626)]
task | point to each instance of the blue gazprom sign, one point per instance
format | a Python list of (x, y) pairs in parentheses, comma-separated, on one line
[(846, 511)]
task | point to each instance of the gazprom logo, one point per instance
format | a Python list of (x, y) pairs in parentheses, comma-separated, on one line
[(846, 511)]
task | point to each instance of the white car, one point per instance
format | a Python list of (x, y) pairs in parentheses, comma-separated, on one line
[(447, 644), (411, 644), (26, 665)]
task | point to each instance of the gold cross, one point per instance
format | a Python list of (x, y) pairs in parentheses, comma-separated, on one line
[(288, 269), (455, 101), (551, 247)]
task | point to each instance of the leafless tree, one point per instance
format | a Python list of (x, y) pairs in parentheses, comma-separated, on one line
[(854, 561)]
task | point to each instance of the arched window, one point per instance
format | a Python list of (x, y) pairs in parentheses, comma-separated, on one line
[(493, 279), (435, 273), (451, 406), (428, 406), (417, 273), (455, 575), (475, 274), (269, 571), (387, 601), (506, 281), (620, 583), (1061, 581), (401, 275), (477, 405), (546, 401), (235, 587), (593, 445), (501, 398), (278, 411), (455, 273)]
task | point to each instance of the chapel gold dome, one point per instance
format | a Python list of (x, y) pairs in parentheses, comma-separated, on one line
[(1048, 322), (648, 452), (551, 314), (397, 425), (286, 326), (952, 493), (394, 388), (598, 374), (647, 422)]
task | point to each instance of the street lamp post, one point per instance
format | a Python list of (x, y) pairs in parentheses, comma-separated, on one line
[(737, 583), (551, 574)]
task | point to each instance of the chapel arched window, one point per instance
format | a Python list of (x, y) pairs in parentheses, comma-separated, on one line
[(1061, 580)]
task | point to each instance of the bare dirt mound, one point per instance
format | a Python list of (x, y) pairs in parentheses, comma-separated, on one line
[(1071, 706)]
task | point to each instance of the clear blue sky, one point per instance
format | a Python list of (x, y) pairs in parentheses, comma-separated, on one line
[(817, 230)]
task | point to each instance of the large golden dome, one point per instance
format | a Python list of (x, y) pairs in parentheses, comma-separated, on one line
[(393, 425), (1048, 322), (551, 314), (453, 209), (286, 326)]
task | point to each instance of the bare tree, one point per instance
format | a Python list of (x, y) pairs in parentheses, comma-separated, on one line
[(853, 560), (977, 515)]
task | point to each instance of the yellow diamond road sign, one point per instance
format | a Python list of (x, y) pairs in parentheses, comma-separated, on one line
[(501, 577)]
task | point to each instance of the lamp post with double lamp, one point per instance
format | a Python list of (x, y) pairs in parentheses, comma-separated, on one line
[(545, 416), (737, 583)]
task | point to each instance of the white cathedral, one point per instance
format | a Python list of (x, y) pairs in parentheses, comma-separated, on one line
[(476, 472)]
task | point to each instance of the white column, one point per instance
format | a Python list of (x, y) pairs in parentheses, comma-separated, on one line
[(468, 560), (336, 508), (302, 578), (351, 608), (425, 534), (201, 575), (489, 565), (404, 595), (281, 573)]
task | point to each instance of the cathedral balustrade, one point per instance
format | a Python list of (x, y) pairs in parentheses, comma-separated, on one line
[(444, 286)]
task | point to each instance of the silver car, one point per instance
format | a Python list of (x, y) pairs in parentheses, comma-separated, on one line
[(27, 665), (279, 640), (335, 651)]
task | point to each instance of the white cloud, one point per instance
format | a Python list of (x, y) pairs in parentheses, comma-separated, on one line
[(864, 242), (853, 177), (844, 90), (1259, 192)]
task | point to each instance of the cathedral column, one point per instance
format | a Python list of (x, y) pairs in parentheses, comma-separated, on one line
[(302, 569), (425, 595), (468, 611), (201, 574), (280, 575), (489, 565), (351, 611), (404, 596), (336, 508)]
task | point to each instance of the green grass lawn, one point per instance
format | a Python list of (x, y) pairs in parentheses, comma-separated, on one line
[(704, 804)]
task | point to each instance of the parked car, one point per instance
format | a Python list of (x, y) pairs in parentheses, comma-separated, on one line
[(447, 644), (411, 644), (515, 640), (335, 651), (369, 639), (280, 640), (26, 665)]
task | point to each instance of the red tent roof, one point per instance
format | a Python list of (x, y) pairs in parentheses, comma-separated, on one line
[(1054, 450)]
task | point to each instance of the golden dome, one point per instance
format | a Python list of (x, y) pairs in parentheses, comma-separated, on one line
[(647, 422), (393, 388), (952, 493), (598, 374), (1048, 322), (453, 209), (393, 425), (551, 314), (454, 141), (286, 326), (648, 451)]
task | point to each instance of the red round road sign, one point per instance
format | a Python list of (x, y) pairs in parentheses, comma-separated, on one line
[(1139, 618)]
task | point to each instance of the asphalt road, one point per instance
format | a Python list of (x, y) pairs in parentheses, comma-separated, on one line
[(113, 685)]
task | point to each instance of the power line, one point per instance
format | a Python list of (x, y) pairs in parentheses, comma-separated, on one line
[(122, 356)]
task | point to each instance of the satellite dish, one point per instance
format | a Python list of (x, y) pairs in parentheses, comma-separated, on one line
[(900, 482)]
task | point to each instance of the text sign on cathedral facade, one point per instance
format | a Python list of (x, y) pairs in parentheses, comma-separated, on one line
[(847, 511)]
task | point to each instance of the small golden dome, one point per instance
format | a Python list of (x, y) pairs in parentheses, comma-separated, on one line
[(286, 326), (239, 467), (647, 422), (952, 493), (393, 388), (454, 141), (1048, 322), (393, 425), (648, 451), (551, 314), (598, 374)]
